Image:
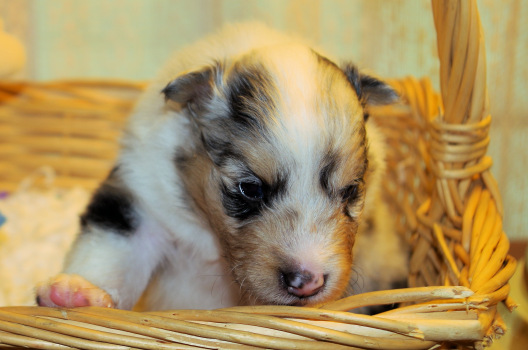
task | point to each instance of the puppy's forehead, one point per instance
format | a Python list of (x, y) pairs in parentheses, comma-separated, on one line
[(310, 87), (302, 105)]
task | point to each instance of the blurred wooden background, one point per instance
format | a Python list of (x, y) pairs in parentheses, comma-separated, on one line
[(129, 39)]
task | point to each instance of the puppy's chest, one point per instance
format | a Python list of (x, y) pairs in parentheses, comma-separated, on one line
[(192, 278)]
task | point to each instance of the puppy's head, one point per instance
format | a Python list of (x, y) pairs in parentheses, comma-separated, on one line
[(279, 167)]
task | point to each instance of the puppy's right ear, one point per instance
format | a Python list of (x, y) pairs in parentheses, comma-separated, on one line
[(192, 89), (370, 90)]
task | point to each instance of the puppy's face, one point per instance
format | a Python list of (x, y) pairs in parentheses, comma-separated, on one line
[(279, 168)]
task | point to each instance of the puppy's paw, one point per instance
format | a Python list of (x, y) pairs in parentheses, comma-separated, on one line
[(71, 291)]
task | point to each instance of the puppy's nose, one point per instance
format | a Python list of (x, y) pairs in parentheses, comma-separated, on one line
[(303, 283)]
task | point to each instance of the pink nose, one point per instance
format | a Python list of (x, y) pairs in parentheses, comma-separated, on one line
[(303, 283)]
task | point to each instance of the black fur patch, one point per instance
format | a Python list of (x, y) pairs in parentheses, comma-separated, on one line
[(242, 209), (250, 97), (220, 148), (329, 167), (249, 101), (354, 78), (182, 158), (236, 206), (112, 208), (348, 194), (369, 90), (193, 89)]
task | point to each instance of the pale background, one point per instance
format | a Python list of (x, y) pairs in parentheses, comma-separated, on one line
[(129, 39)]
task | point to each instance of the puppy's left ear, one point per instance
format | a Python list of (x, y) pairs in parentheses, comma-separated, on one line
[(370, 91), (193, 89), (188, 86)]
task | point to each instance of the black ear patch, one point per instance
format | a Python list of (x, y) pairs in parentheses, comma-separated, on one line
[(369, 90), (189, 86), (193, 89)]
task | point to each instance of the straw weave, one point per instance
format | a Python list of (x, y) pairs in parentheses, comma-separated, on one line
[(72, 126), (438, 185)]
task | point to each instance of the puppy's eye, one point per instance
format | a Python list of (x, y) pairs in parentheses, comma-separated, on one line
[(349, 193), (251, 190)]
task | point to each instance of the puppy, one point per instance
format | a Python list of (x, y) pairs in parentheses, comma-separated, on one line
[(246, 174)]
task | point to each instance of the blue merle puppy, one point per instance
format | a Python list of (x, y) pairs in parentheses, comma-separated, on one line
[(248, 174)]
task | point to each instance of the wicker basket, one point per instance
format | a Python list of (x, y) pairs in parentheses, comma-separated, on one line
[(440, 187), (70, 126)]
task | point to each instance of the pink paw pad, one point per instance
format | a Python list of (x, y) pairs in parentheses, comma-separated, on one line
[(71, 291)]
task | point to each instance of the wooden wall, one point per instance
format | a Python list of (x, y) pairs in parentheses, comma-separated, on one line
[(129, 39)]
